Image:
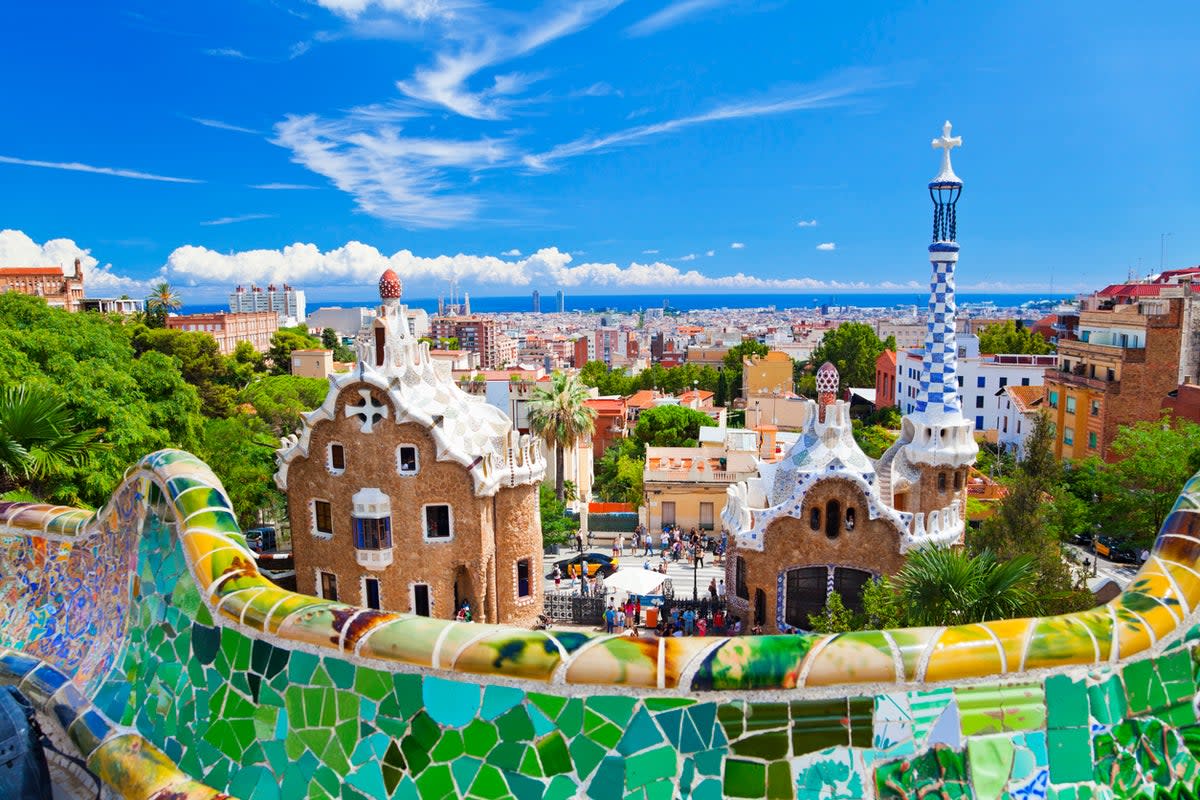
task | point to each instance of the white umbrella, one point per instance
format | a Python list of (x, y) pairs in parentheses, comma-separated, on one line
[(635, 581)]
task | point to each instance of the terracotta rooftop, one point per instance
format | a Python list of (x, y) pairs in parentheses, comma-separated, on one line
[(643, 398), (14, 272), (888, 357), (1026, 398), (1130, 290)]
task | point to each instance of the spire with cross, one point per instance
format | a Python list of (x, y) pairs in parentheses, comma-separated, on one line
[(947, 143)]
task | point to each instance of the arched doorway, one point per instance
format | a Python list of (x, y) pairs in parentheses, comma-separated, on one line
[(804, 594), (760, 607), (464, 592)]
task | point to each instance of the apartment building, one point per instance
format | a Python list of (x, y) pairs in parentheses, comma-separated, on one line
[(480, 334), (256, 327)]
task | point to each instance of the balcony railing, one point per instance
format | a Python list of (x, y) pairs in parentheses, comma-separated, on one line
[(374, 559), (1082, 381)]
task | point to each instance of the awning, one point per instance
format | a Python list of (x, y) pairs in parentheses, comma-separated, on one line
[(635, 581)]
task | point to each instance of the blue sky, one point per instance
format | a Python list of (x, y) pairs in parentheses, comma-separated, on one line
[(602, 146)]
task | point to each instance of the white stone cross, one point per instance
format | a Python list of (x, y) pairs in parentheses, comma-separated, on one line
[(366, 411), (947, 143)]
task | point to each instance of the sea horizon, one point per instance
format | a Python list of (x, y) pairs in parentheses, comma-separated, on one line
[(626, 303)]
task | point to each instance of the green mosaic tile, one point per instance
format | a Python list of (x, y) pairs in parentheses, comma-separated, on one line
[(479, 738), (650, 766), (745, 778), (586, 754), (451, 703), (1106, 700), (1066, 703), (436, 782), (553, 754), (1070, 755), (489, 783), (508, 755), (515, 726), (570, 719), (499, 699), (608, 780), (464, 771), (372, 683), (301, 666), (449, 747), (779, 781), (549, 704), (617, 709), (641, 734), (392, 767), (1143, 687)]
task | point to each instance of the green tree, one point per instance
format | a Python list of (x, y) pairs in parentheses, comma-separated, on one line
[(330, 339), (619, 473), (557, 526), (163, 299), (834, 618), (852, 347), (670, 426), (280, 400), (1006, 337), (1022, 526), (558, 414), (85, 361), (721, 396), (873, 439), (283, 342), (241, 451), (200, 362), (39, 439), (948, 586), (1154, 460)]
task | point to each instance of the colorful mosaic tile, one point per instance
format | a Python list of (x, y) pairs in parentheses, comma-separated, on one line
[(145, 635)]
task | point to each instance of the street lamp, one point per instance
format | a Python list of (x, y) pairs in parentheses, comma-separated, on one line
[(1095, 537), (695, 574)]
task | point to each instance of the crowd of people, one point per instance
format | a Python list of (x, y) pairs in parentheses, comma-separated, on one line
[(673, 543)]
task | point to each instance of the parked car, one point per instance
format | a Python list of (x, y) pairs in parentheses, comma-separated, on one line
[(1118, 550), (596, 562)]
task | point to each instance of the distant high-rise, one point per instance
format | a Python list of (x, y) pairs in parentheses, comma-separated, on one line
[(562, 301), (287, 302), (537, 301)]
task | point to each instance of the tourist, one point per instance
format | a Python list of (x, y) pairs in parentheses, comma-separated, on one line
[(721, 590), (637, 611), (689, 621), (583, 586), (610, 619), (629, 608), (557, 577), (718, 622), (620, 620), (648, 542), (698, 555), (701, 627), (712, 590)]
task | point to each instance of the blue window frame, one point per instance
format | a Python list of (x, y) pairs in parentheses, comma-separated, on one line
[(981, 382), (979, 423), (372, 534)]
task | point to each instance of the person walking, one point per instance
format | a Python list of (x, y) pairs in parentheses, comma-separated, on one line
[(699, 555), (557, 577), (637, 611), (721, 590), (610, 619), (712, 589), (689, 622), (620, 621)]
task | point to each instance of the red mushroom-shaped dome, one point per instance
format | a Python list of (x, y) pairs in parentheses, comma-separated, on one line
[(827, 379), (389, 285)]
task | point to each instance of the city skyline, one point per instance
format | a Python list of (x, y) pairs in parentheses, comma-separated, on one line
[(321, 143)]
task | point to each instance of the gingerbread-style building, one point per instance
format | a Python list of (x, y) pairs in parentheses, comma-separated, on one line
[(825, 518), (407, 494)]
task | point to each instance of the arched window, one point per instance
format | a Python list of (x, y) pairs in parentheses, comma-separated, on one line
[(850, 518), (957, 480), (379, 339), (833, 519), (814, 518), (941, 481)]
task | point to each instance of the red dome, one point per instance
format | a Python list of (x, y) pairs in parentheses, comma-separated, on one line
[(389, 285)]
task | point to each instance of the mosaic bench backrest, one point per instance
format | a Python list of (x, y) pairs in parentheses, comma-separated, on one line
[(150, 643)]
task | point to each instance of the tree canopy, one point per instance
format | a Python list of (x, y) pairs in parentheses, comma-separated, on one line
[(283, 342), (670, 426), (1007, 337), (852, 347), (559, 415)]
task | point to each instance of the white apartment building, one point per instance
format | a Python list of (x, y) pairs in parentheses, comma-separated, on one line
[(979, 379), (287, 302), (1017, 405)]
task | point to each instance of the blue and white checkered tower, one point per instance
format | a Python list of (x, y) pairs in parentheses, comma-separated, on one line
[(937, 432)]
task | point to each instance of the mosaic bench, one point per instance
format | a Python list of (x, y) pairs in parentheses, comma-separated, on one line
[(164, 666)]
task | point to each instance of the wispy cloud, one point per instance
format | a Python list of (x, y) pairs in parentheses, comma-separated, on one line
[(225, 52), (688, 257), (223, 126), (640, 112), (599, 89), (832, 94), (673, 14), (649, 252), (710, 252), (419, 10), (737, 245), (445, 83), (392, 176), (242, 218), (74, 166), (283, 187), (512, 252), (827, 246), (806, 223)]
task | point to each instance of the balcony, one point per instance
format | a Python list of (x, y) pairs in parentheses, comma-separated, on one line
[(1088, 351), (373, 559), (1078, 380)]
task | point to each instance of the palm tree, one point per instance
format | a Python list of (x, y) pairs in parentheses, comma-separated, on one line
[(557, 414), (946, 586), (38, 438), (162, 301)]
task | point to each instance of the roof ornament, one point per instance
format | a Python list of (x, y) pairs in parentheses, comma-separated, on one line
[(947, 143)]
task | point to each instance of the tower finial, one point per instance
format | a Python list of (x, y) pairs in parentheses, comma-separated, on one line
[(947, 143)]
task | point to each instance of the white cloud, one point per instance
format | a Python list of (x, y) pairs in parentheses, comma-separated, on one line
[(225, 52), (598, 89), (806, 223), (419, 10), (444, 84), (827, 246), (358, 264), (282, 187), (649, 252), (242, 218), (737, 245), (673, 14), (74, 166), (513, 252), (18, 250), (688, 257), (710, 252), (398, 178), (223, 126), (823, 96)]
